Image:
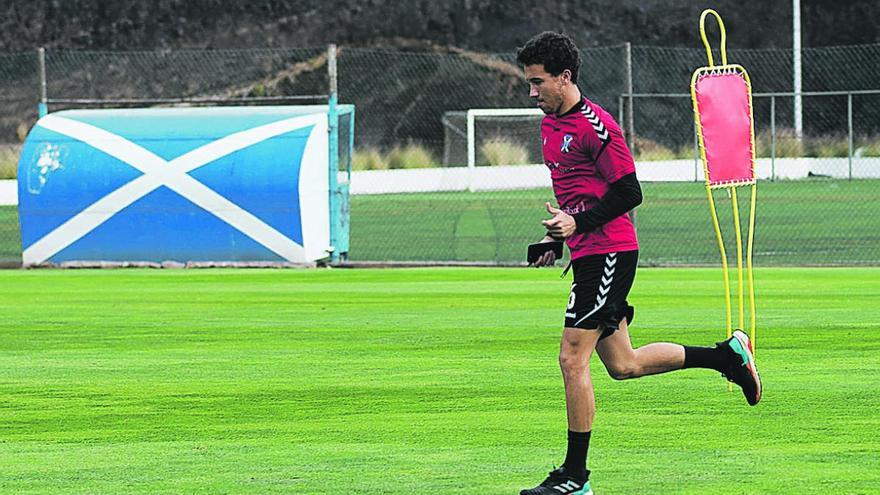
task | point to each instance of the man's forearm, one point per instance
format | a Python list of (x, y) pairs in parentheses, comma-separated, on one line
[(623, 195)]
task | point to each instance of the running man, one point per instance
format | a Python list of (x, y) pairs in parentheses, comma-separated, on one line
[(595, 184)]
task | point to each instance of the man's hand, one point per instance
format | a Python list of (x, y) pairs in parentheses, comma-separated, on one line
[(548, 258), (561, 225)]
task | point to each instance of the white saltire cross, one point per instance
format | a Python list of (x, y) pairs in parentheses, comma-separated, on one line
[(172, 174)]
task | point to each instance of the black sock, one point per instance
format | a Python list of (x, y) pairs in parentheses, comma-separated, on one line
[(576, 458), (715, 358)]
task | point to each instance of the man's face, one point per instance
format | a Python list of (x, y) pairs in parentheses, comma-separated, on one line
[(547, 89)]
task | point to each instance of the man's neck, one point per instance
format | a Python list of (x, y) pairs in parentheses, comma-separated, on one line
[(571, 100)]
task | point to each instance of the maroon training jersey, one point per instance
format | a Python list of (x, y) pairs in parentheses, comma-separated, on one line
[(585, 152)]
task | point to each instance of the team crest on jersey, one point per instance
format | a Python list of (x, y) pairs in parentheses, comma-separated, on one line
[(566, 143)]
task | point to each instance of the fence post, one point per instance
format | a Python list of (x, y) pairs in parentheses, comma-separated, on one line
[(333, 140), (630, 127), (43, 107), (471, 150), (629, 115), (797, 83), (772, 138), (849, 123)]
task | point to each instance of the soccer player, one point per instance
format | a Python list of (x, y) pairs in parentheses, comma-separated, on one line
[(595, 184)]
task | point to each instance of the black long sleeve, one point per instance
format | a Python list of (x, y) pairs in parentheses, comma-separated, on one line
[(623, 195)]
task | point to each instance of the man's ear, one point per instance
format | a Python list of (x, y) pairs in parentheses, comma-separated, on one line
[(566, 76)]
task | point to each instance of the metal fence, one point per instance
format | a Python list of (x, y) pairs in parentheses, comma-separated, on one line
[(414, 198)]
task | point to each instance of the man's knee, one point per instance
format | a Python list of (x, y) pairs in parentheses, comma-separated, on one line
[(571, 361), (623, 370), (575, 350)]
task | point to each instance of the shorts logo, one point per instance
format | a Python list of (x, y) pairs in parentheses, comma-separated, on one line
[(604, 285), (566, 143)]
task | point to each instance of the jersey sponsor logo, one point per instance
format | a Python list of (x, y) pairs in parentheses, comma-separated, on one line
[(558, 167), (597, 124), (566, 143), (571, 210)]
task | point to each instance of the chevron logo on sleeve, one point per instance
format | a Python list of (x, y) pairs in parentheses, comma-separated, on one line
[(597, 124)]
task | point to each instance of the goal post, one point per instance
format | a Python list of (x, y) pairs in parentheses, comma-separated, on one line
[(471, 118)]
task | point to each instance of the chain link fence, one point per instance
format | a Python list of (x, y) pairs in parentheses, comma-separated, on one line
[(224, 76), (18, 96), (814, 206), (419, 194)]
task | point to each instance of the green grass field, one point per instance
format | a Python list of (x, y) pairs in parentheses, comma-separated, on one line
[(441, 381), (822, 222)]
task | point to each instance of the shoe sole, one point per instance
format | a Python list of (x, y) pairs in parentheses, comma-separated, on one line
[(583, 491), (746, 344)]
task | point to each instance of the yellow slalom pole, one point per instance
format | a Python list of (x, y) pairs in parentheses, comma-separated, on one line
[(739, 258), (733, 193), (720, 240), (706, 41), (724, 270), (749, 261)]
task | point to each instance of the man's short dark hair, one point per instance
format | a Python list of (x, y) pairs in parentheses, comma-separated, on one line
[(555, 51)]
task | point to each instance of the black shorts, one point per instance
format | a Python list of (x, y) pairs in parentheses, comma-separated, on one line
[(598, 294)]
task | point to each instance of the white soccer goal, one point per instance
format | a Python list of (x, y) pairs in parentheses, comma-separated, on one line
[(508, 124), (494, 148), (520, 126)]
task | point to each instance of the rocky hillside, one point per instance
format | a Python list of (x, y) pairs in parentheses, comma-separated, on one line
[(403, 96), (481, 25)]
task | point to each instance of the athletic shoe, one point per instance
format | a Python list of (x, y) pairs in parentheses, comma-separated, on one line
[(742, 370), (559, 483)]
